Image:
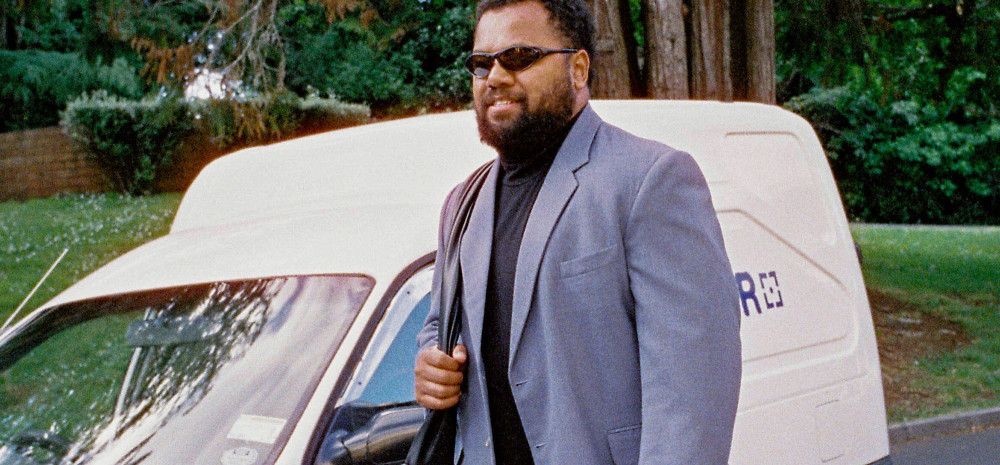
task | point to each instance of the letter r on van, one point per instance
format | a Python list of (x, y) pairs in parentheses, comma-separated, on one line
[(747, 292)]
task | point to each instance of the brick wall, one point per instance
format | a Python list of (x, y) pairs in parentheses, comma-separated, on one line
[(45, 162)]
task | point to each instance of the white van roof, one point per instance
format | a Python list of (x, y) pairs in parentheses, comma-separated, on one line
[(417, 160)]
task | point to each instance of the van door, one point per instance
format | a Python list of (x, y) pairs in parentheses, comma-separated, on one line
[(811, 391), (379, 416)]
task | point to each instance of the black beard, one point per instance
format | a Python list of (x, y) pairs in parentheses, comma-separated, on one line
[(531, 133)]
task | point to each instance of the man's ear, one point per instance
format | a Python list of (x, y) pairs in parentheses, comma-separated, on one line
[(580, 69)]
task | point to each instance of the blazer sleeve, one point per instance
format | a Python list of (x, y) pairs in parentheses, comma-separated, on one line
[(428, 335), (687, 317)]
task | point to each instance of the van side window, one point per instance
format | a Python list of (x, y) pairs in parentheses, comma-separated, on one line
[(385, 374), (392, 381)]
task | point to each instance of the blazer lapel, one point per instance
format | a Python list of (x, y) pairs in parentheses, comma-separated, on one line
[(475, 257), (557, 189)]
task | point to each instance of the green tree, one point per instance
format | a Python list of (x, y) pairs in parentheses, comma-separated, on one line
[(902, 94), (394, 55)]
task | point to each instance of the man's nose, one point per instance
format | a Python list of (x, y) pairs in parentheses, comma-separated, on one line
[(499, 76)]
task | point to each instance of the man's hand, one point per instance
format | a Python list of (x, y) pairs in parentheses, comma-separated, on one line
[(439, 377)]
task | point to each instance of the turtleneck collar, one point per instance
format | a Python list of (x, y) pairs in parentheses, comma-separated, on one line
[(520, 166)]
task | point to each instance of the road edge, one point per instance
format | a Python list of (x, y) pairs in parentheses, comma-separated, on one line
[(945, 424)]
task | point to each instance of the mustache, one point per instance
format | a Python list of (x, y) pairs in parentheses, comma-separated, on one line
[(489, 98)]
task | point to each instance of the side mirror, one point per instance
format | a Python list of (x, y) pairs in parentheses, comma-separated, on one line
[(384, 439), (391, 433)]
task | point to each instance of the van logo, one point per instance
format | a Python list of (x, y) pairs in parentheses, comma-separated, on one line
[(766, 288)]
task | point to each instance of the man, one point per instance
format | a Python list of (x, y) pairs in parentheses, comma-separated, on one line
[(601, 322)]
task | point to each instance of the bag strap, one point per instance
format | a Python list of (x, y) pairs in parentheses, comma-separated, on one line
[(450, 317)]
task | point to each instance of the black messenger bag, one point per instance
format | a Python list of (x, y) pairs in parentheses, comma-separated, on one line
[(434, 443)]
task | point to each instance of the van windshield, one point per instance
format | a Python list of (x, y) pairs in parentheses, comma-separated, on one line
[(202, 374)]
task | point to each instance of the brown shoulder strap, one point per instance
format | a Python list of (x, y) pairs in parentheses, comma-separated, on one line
[(450, 318)]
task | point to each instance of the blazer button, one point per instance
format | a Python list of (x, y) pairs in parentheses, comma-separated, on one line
[(487, 443)]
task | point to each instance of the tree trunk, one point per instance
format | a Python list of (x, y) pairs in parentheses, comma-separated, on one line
[(8, 31), (666, 67), (631, 49), (957, 20), (752, 33), (611, 67), (708, 50)]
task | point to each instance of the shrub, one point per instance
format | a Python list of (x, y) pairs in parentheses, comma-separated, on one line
[(133, 139), (229, 123), (129, 139), (449, 40), (909, 161), (36, 85), (331, 113)]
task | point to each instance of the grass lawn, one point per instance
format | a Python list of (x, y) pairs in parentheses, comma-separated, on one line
[(935, 294), (95, 227)]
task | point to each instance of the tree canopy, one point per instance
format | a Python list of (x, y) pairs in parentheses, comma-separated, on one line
[(902, 92)]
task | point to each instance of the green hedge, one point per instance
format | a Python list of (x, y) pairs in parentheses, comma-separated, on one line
[(35, 85), (328, 113), (130, 139), (133, 139), (907, 161), (231, 123)]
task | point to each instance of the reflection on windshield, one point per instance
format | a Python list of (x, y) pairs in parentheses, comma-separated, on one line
[(170, 374), (188, 375)]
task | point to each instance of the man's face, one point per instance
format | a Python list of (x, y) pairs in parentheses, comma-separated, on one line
[(516, 109)]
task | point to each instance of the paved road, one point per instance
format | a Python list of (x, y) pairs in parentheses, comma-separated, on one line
[(978, 448)]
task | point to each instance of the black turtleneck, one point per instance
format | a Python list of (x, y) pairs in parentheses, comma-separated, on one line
[(518, 182)]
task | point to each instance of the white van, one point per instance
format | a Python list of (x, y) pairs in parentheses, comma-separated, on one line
[(275, 323)]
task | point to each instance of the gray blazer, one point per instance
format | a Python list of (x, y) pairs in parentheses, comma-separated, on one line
[(625, 345)]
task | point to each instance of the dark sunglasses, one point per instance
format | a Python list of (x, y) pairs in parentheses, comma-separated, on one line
[(512, 59)]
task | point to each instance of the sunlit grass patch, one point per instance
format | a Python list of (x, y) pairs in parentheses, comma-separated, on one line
[(95, 227), (952, 273), (947, 260)]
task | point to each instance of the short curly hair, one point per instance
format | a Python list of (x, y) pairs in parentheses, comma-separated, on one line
[(572, 17)]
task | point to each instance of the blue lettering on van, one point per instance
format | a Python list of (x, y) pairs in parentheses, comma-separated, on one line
[(769, 286), (747, 292), (766, 288)]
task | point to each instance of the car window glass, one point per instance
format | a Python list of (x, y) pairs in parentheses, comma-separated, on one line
[(192, 374), (392, 381), (62, 392), (385, 374), (377, 415)]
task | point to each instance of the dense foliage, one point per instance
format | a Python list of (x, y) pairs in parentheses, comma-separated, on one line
[(395, 55), (35, 85), (906, 162), (902, 93), (130, 139)]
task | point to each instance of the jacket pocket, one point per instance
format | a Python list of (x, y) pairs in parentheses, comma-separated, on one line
[(589, 262), (624, 444)]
